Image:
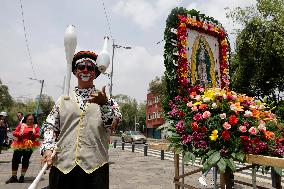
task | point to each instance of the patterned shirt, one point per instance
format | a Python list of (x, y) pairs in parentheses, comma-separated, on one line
[(51, 127)]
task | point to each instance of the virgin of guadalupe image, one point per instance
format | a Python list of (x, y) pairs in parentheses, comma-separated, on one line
[(203, 65)]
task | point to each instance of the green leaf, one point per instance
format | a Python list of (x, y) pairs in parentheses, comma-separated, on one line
[(179, 150), (230, 162), (222, 165), (206, 166), (189, 156), (214, 158), (278, 171), (240, 157)]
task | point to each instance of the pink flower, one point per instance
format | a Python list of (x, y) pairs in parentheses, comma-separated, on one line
[(261, 126), (197, 117), (227, 126), (206, 114), (194, 108), (189, 104), (243, 129), (223, 116), (252, 131)]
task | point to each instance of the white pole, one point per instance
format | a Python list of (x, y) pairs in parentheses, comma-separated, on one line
[(40, 174), (70, 43)]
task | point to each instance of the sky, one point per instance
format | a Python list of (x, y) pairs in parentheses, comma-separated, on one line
[(138, 24)]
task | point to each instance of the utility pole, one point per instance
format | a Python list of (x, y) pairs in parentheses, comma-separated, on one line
[(38, 102), (37, 109), (111, 73)]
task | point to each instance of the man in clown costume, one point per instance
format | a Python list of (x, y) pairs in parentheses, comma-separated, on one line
[(78, 130)]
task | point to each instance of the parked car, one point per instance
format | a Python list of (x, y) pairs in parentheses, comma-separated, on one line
[(133, 136)]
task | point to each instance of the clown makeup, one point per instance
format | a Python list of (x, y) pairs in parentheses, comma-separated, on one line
[(85, 70)]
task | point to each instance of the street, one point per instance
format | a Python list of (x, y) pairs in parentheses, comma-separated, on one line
[(128, 170)]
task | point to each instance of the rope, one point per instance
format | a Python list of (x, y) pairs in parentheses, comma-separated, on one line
[(26, 39), (108, 23)]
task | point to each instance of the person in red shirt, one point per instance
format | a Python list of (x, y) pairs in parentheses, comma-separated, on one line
[(26, 140)]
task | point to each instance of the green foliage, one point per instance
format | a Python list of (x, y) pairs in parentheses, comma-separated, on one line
[(6, 100), (46, 104), (258, 66), (131, 111)]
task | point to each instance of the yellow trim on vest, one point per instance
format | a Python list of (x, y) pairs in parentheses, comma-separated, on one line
[(88, 172)]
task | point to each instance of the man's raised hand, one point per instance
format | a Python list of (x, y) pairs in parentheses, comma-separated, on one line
[(99, 97)]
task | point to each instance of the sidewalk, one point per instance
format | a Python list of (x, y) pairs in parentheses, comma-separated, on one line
[(128, 170)]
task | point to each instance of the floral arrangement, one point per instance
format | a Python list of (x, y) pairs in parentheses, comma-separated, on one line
[(221, 126), (218, 125)]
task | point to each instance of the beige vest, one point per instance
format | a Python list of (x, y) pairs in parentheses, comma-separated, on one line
[(82, 140)]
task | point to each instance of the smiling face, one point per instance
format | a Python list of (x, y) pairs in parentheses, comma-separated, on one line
[(85, 72), (30, 120)]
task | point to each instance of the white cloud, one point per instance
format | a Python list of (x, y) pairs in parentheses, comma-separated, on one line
[(134, 69), (142, 12)]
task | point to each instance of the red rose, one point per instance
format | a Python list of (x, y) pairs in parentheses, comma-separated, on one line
[(194, 126), (203, 129), (226, 135), (203, 106), (185, 100), (233, 120)]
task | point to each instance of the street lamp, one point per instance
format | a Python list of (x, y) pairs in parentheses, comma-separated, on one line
[(111, 74), (40, 81)]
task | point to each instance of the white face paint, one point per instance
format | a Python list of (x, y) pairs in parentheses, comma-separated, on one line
[(85, 77)]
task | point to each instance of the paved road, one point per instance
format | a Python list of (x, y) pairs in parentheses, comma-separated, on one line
[(128, 170)]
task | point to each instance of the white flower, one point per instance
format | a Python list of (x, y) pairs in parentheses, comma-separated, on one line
[(206, 99), (197, 98), (214, 105), (248, 113)]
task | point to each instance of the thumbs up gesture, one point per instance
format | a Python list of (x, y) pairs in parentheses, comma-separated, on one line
[(99, 97)]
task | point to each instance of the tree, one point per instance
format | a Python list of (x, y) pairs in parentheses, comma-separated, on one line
[(129, 109), (158, 86), (46, 104), (141, 116), (259, 61), (6, 100)]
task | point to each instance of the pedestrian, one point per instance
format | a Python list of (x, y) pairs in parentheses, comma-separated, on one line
[(20, 116), (3, 131), (25, 141), (79, 128)]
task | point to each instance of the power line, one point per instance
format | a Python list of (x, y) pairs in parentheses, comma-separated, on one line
[(108, 23), (26, 39)]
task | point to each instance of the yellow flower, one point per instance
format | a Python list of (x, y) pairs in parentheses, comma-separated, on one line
[(197, 103), (214, 135), (209, 94), (224, 42)]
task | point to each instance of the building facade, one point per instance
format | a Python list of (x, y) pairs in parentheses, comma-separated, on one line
[(154, 117)]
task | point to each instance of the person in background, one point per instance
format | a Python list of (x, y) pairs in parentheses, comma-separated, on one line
[(25, 141), (78, 129), (3, 131), (5, 128), (20, 116)]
